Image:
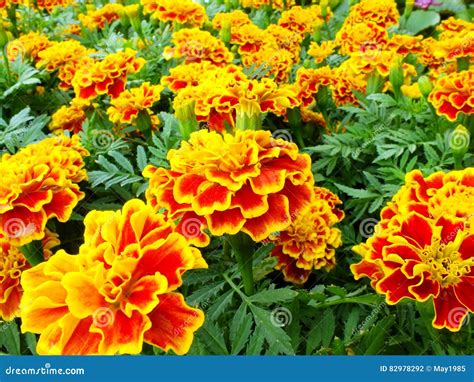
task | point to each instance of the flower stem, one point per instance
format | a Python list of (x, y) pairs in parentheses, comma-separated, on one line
[(242, 248), (33, 252)]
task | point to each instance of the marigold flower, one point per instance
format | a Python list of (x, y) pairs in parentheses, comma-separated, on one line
[(97, 18), (303, 20), (286, 40), (424, 246), (453, 27), (12, 264), (107, 76), (381, 12), (308, 82), (275, 63), (227, 183), (250, 38), (405, 44), (69, 117), (321, 51), (311, 240), (67, 56), (411, 91), (344, 85), (460, 45), (119, 291), (125, 108), (228, 96), (195, 45), (454, 94), (182, 12), (29, 45), (235, 19), (364, 38), (39, 182), (185, 75)]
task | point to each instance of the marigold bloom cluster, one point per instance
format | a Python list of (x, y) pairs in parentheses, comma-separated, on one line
[(119, 291), (311, 240), (126, 107), (108, 76), (12, 264), (38, 183), (423, 247), (246, 182)]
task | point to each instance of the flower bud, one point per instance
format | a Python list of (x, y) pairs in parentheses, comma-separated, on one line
[(425, 86), (396, 76)]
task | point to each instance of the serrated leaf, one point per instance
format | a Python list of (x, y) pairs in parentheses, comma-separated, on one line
[(205, 294), (273, 334), (351, 324), (272, 296), (257, 339), (212, 338), (240, 329), (220, 305), (356, 193), (328, 322), (142, 160)]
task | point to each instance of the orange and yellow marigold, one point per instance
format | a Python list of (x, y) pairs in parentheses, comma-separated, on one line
[(38, 183), (423, 247), (311, 240), (107, 76), (119, 291), (12, 264), (247, 182), (126, 107), (454, 94)]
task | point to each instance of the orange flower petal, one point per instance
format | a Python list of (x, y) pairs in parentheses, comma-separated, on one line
[(173, 324)]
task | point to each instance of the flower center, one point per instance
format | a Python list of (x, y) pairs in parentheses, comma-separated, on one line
[(445, 262)]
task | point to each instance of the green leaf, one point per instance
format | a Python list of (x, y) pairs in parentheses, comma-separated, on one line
[(10, 337), (420, 20), (211, 336), (314, 339), (30, 340), (337, 290), (220, 305), (240, 329), (376, 338), (142, 160), (273, 334), (272, 296), (255, 345), (351, 324), (355, 193), (329, 327), (203, 295)]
